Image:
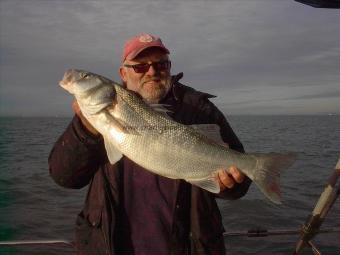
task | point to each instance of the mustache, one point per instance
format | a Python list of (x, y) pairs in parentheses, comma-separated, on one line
[(157, 78)]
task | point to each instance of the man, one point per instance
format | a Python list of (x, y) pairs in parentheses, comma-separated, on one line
[(129, 210)]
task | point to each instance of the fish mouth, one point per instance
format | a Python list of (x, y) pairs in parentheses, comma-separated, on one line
[(63, 83), (67, 79)]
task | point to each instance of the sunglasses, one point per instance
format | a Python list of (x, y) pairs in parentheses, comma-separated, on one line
[(144, 67)]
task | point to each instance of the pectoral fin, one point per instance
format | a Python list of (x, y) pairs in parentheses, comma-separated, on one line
[(112, 152), (210, 184), (160, 107)]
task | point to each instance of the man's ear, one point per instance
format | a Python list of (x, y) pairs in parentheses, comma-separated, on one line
[(122, 73)]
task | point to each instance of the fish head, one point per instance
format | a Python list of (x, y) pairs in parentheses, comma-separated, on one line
[(92, 91), (80, 82)]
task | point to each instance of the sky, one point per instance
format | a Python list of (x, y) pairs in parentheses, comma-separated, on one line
[(257, 56)]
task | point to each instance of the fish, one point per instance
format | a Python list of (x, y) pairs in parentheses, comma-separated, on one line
[(149, 137)]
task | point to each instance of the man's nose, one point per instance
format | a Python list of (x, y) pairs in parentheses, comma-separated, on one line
[(151, 71)]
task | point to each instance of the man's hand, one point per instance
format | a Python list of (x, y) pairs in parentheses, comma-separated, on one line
[(228, 178), (85, 122)]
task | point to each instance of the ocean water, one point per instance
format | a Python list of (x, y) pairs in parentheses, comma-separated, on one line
[(33, 207)]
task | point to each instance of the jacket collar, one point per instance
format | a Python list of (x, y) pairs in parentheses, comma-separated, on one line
[(178, 89)]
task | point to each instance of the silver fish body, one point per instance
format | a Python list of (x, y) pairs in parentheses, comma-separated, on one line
[(132, 128)]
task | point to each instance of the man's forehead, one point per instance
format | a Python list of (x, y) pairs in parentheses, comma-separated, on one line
[(150, 54)]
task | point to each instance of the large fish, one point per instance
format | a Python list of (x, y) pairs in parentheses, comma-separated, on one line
[(147, 136)]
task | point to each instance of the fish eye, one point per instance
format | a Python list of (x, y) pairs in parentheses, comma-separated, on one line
[(86, 76)]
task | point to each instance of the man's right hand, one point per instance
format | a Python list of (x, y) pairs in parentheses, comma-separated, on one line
[(84, 121)]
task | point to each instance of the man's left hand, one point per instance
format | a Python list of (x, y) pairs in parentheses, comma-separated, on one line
[(229, 177)]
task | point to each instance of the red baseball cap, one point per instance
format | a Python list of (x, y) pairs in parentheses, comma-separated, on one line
[(137, 44)]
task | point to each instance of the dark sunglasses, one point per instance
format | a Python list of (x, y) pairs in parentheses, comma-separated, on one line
[(144, 67)]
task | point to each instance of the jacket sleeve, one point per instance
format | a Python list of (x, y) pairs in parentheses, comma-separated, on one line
[(229, 137), (76, 156)]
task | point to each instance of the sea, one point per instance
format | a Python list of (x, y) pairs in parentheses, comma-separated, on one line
[(33, 207)]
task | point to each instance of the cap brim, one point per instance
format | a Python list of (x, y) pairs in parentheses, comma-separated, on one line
[(135, 53)]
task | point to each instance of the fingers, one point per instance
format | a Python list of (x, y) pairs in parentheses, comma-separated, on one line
[(228, 178), (225, 180), (237, 175)]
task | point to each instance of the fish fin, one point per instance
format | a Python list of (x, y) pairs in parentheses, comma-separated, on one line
[(112, 152), (212, 131), (161, 108), (267, 173), (210, 184)]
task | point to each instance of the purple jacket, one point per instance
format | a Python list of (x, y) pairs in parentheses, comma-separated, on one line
[(79, 159)]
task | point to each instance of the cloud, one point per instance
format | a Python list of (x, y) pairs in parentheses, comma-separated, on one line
[(228, 47), (324, 55)]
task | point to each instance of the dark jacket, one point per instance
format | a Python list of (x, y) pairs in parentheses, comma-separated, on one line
[(78, 159)]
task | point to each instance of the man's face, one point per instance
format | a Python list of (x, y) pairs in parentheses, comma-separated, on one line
[(152, 85)]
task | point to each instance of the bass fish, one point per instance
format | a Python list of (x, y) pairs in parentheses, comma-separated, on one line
[(150, 138)]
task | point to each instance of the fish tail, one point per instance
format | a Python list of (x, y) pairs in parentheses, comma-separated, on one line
[(267, 173)]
